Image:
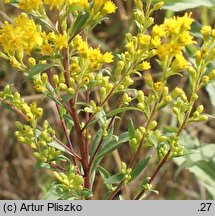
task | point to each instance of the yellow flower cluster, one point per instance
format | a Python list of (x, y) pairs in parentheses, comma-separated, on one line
[(59, 3), (21, 35), (30, 4), (92, 60), (32, 112), (104, 7), (60, 41), (174, 33), (72, 181)]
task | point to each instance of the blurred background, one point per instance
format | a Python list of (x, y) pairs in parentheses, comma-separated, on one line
[(21, 179)]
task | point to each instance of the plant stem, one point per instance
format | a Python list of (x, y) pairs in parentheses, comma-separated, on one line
[(86, 120), (63, 124), (160, 165), (74, 113)]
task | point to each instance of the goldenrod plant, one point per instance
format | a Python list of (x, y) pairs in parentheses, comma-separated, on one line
[(56, 56)]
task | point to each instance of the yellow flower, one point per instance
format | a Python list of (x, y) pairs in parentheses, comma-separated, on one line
[(30, 4), (20, 36), (94, 66), (213, 33), (158, 31), (155, 41), (158, 86), (176, 25), (107, 57), (109, 7), (185, 38), (81, 46), (31, 61), (29, 117), (46, 49), (95, 55), (80, 3), (206, 31), (144, 40), (144, 66), (61, 41), (162, 51), (54, 3), (180, 63)]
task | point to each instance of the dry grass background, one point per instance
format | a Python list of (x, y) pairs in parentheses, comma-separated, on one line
[(20, 179)]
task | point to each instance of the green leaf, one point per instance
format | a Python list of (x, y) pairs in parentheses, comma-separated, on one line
[(96, 142), (180, 5), (103, 172), (113, 144), (86, 193), (120, 110), (210, 88), (69, 121), (131, 129), (39, 68), (105, 141), (115, 178), (71, 9), (109, 137), (51, 194), (139, 168), (67, 97), (109, 147), (200, 161), (79, 23)]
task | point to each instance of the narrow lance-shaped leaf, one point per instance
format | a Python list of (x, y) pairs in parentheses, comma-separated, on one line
[(139, 168), (39, 68), (79, 23), (131, 129), (115, 178), (109, 147), (120, 110), (112, 145)]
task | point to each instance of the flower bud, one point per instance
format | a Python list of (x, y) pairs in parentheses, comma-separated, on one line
[(140, 96), (21, 139), (148, 80), (158, 6), (152, 125), (205, 80), (176, 92), (44, 77), (31, 61), (63, 86), (37, 155), (142, 130), (167, 99), (29, 117), (138, 4), (212, 75), (203, 118), (175, 110), (200, 108), (141, 106), (119, 68), (70, 91), (39, 112)]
